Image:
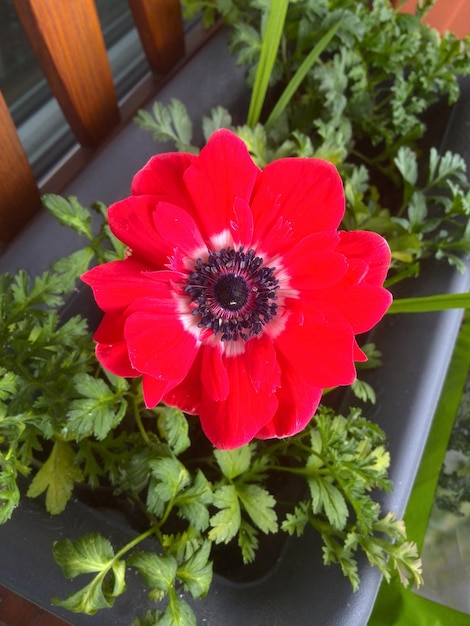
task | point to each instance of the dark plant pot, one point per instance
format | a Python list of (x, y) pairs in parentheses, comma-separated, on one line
[(297, 588)]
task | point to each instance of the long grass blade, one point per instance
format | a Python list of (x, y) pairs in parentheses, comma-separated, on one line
[(269, 48), (427, 304), (299, 76)]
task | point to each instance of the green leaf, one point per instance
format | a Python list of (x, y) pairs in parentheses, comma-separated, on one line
[(248, 541), (8, 384), (150, 618), (88, 600), (259, 504), (168, 123), (256, 142), (405, 247), (193, 502), (73, 266), (91, 553), (90, 465), (234, 462), (447, 166), (417, 211), (296, 522), (45, 289), (56, 477), (226, 523), (247, 41), (406, 561), (376, 460), (134, 470), (98, 411), (407, 164), (177, 613), (220, 118), (9, 491), (374, 356), (182, 545), (69, 212), (196, 572), (173, 427), (335, 552), (159, 572), (363, 391), (328, 499), (169, 477)]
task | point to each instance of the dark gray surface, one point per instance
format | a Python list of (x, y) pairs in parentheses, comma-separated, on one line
[(416, 349), (28, 568)]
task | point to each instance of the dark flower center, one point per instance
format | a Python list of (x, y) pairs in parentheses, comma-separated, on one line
[(233, 293)]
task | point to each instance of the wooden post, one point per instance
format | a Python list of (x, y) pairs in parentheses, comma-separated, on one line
[(160, 27), (67, 40), (19, 194)]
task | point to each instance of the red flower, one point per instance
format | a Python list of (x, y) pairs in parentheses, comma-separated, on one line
[(239, 300)]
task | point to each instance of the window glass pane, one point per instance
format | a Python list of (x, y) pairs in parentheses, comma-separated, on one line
[(115, 18), (21, 79)]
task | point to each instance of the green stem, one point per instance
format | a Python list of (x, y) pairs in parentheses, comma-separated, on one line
[(375, 163), (324, 528), (298, 471), (166, 513), (129, 546), (138, 419)]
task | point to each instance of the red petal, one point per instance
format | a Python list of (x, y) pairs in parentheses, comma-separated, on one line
[(325, 241), (214, 375), (119, 283), (111, 350), (307, 193), (187, 394), (235, 421), (261, 362), (223, 172), (177, 227), (242, 226), (358, 297), (115, 358), (321, 351), (111, 328), (362, 306), (367, 247), (359, 355), (162, 177), (158, 345), (298, 402), (278, 238), (132, 221), (312, 268), (153, 389)]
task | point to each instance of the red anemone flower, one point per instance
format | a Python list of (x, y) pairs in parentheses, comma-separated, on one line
[(239, 300)]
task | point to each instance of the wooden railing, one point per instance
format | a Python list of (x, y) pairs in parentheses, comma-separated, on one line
[(68, 43)]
